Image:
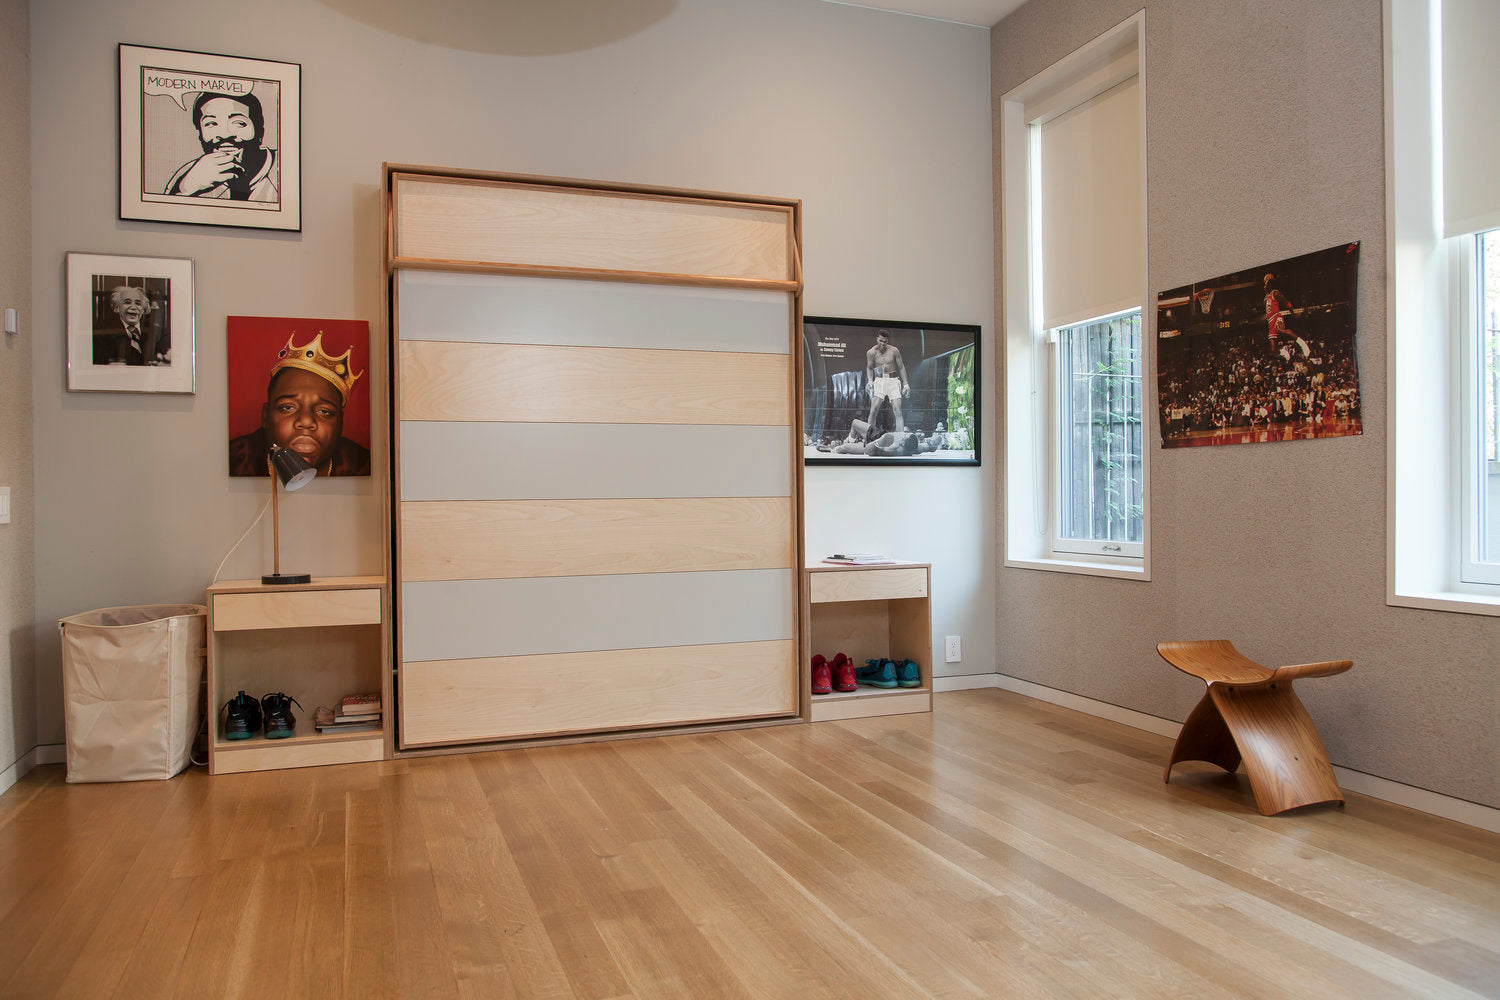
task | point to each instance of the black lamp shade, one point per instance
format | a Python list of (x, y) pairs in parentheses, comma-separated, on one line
[(291, 468)]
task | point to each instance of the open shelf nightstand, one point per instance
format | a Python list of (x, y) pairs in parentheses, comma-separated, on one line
[(315, 641), (868, 612)]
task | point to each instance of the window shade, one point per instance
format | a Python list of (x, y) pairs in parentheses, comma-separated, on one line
[(1471, 128), (1091, 212)]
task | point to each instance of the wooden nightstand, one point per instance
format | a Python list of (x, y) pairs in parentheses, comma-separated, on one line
[(317, 642), (868, 612)]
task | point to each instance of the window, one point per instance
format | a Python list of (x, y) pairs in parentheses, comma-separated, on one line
[(1074, 276), (1100, 480), (1443, 346), (1479, 370)]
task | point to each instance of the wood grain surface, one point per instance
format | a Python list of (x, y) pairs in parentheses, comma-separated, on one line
[(491, 222), (458, 701), (505, 539), (998, 847), (866, 585), (544, 384), (296, 609)]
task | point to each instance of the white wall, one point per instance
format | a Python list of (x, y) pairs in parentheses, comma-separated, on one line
[(878, 121), (17, 570)]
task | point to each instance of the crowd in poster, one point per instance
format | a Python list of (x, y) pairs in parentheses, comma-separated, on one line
[(1263, 354), (890, 392)]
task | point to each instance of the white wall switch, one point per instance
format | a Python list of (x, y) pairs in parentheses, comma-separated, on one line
[(4, 504), (955, 649), (11, 325)]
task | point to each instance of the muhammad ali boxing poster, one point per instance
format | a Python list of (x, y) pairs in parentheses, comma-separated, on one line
[(889, 393), (1263, 354), (303, 385), (208, 139)]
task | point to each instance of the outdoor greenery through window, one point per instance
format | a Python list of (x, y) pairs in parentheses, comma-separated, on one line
[(1100, 477)]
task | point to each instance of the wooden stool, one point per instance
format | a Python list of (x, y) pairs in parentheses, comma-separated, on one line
[(1250, 712)]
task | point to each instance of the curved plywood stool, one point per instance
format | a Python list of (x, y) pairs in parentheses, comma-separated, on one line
[(1251, 713)]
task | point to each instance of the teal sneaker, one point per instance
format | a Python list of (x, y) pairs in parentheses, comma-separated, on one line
[(877, 673), (908, 674)]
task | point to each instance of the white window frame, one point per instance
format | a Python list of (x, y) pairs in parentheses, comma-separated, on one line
[(1069, 548), (1031, 420), (1471, 458), (1429, 381)]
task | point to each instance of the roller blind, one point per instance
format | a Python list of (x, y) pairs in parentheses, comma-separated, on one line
[(1091, 212), (1471, 128)]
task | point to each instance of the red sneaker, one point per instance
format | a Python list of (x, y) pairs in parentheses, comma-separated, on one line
[(843, 673), (822, 677)]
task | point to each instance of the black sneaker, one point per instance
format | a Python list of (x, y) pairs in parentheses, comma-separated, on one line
[(241, 717), (279, 718)]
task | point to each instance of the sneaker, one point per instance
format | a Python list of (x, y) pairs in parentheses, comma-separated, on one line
[(280, 722), (877, 673), (843, 674), (908, 674), (240, 716), (822, 677)]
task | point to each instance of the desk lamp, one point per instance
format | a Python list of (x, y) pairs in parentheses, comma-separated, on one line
[(294, 473)]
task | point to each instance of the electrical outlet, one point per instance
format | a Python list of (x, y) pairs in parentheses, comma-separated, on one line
[(955, 649), (4, 504)]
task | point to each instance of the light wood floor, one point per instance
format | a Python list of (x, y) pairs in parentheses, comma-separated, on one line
[(1000, 847)]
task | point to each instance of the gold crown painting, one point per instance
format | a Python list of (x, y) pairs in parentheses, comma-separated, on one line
[(311, 358)]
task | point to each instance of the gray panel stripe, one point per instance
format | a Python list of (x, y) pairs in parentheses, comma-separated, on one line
[(507, 309), (471, 618), (446, 460)]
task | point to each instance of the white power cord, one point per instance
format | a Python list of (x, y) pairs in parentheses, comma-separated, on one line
[(236, 545)]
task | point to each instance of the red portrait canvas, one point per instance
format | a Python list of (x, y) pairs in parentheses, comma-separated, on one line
[(302, 384)]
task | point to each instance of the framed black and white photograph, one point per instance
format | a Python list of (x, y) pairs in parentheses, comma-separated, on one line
[(208, 139), (130, 323), (890, 393)]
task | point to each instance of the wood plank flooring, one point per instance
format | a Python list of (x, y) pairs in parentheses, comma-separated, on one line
[(1000, 847)]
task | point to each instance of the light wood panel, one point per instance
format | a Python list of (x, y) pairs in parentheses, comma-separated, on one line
[(887, 583), (266, 755), (296, 609), (448, 381), (502, 539), (831, 708), (458, 701), (490, 223), (1000, 847)]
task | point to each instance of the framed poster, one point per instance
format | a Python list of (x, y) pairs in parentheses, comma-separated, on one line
[(300, 384), (208, 139), (1263, 354), (889, 393), (130, 323)]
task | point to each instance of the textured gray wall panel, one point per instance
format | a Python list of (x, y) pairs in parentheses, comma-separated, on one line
[(442, 460), (507, 309), (1257, 151), (469, 618)]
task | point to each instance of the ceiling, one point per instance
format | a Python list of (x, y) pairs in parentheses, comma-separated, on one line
[(984, 13)]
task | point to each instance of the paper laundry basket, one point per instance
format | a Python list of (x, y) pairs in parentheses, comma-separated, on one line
[(131, 680)]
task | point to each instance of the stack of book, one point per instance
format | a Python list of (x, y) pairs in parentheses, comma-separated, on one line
[(356, 713), (859, 559)]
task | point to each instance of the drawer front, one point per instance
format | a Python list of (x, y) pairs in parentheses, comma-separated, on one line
[(868, 585), (266, 755), (549, 694), (296, 609)]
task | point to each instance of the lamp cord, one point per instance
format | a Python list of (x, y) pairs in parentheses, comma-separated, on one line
[(241, 539)]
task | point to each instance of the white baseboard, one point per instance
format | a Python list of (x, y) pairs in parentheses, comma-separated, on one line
[(18, 770), (964, 682), (1420, 799), (52, 753)]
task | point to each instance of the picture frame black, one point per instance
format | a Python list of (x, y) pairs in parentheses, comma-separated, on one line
[(130, 325), (922, 387), (208, 139)]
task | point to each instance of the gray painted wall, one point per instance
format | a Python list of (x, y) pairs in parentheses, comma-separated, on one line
[(1265, 135), (878, 121), (18, 724)]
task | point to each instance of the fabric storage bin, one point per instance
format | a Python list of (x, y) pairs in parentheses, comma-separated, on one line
[(131, 690)]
